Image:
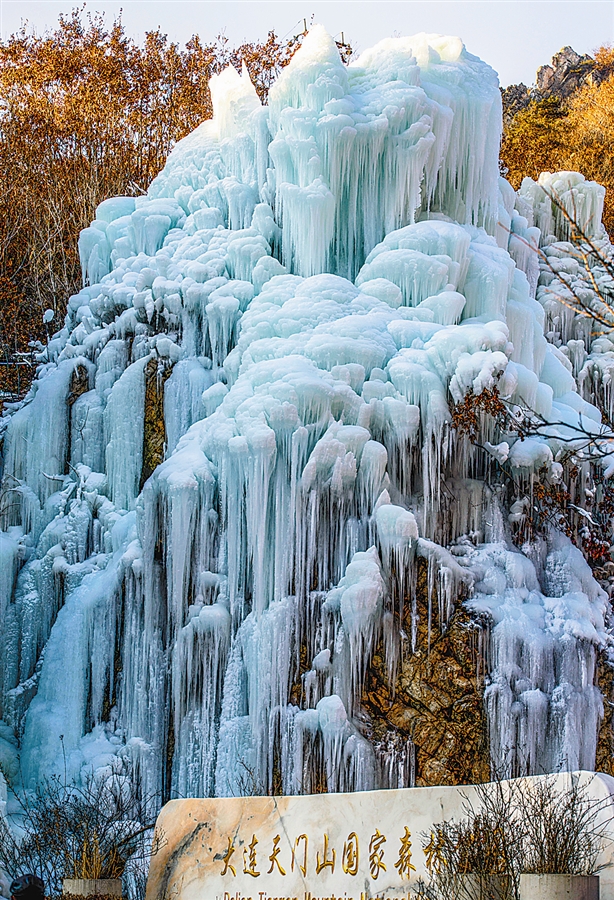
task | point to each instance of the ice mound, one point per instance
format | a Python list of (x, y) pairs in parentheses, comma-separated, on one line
[(295, 305)]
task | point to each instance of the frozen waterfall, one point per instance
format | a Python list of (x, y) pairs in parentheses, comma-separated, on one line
[(293, 309)]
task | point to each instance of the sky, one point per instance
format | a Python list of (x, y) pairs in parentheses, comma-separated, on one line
[(514, 36)]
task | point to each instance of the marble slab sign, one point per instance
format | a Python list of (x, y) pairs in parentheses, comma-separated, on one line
[(337, 846)]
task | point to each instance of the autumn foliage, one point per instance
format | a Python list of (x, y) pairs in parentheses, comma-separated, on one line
[(576, 134)]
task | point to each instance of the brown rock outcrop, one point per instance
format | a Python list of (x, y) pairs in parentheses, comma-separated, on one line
[(154, 431), (438, 697), (604, 761)]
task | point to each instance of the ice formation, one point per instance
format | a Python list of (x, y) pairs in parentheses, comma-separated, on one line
[(312, 285)]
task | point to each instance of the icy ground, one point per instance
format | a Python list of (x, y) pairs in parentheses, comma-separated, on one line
[(317, 282)]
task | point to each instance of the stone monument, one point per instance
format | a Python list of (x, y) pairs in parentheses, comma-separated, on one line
[(366, 845)]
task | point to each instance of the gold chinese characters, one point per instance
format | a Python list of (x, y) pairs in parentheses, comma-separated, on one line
[(297, 857)]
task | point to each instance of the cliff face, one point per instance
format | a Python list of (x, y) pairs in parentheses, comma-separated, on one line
[(437, 699), (567, 73)]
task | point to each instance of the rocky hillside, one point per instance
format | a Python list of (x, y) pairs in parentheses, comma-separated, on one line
[(567, 73), (565, 121)]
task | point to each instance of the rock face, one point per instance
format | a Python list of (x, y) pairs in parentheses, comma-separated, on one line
[(604, 761), (154, 430), (567, 73), (515, 98), (437, 699)]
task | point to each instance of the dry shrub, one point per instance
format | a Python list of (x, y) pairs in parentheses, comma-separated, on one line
[(86, 831), (483, 843), (527, 825), (564, 829)]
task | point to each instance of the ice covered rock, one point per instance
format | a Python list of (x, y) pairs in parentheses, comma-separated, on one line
[(238, 459)]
